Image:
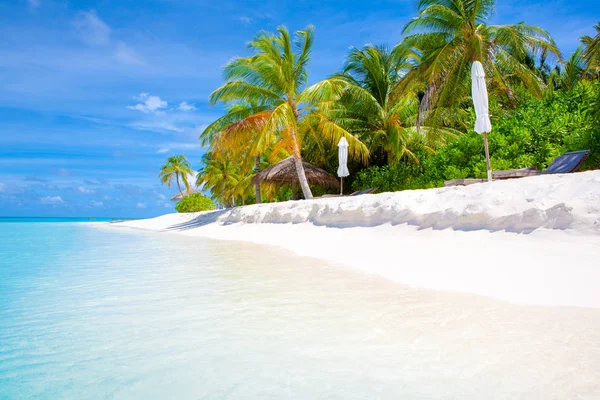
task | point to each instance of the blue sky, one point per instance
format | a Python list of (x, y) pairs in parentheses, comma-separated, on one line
[(94, 95)]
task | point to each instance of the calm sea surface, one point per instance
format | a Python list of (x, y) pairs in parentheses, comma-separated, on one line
[(89, 312)]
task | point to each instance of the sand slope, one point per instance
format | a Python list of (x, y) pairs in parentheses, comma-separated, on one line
[(534, 240)]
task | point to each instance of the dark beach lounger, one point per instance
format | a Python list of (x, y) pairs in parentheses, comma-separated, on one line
[(366, 191)]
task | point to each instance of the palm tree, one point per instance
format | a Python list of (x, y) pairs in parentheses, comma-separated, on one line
[(176, 167), (591, 53), (571, 72), (219, 176), (451, 34), (235, 132), (283, 110), (377, 113)]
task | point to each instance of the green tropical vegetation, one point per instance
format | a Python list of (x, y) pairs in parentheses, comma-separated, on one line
[(406, 110), (194, 203)]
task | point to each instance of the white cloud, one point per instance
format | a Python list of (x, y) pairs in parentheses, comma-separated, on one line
[(127, 55), (51, 200), (184, 106), (245, 19), (61, 172), (160, 195), (149, 104), (165, 148), (160, 126), (95, 203), (82, 189), (92, 29), (105, 198), (1, 187), (167, 205), (140, 205), (34, 4)]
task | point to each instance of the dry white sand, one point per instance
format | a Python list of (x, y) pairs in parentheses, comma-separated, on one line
[(532, 241)]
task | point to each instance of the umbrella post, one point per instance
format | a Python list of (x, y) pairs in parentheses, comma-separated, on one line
[(341, 186), (487, 157)]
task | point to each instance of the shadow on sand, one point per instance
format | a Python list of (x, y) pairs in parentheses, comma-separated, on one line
[(201, 220)]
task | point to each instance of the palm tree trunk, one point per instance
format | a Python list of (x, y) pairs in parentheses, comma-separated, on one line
[(223, 199), (257, 184), (178, 185), (300, 168)]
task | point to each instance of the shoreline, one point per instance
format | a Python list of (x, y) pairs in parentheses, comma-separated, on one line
[(529, 241)]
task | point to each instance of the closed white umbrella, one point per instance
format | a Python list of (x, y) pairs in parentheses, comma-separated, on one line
[(343, 160), (480, 101)]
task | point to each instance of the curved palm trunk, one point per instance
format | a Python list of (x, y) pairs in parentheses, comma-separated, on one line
[(178, 185), (257, 184), (300, 168)]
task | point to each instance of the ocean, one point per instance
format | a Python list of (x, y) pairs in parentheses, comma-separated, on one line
[(88, 311)]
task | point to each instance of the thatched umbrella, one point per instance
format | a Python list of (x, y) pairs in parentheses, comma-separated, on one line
[(186, 192), (284, 173)]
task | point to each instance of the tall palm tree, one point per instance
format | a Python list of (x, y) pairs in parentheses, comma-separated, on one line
[(591, 53), (178, 168), (235, 132), (451, 34), (377, 113), (219, 176), (275, 77)]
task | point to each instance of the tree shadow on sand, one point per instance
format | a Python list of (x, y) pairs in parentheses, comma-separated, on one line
[(201, 220)]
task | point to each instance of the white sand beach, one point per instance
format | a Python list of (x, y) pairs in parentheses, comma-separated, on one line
[(528, 241)]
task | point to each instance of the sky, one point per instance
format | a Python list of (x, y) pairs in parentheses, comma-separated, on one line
[(95, 95)]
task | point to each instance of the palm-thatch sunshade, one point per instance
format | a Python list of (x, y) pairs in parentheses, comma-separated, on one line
[(186, 192), (284, 173)]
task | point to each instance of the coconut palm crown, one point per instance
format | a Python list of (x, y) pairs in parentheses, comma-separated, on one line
[(176, 168), (451, 34), (374, 111), (591, 53)]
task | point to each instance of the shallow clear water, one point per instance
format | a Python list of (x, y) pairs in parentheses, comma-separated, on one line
[(94, 313)]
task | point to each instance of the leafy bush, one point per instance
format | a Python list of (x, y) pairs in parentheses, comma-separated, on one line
[(194, 203), (531, 134)]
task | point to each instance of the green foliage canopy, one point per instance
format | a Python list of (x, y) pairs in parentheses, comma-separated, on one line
[(194, 203)]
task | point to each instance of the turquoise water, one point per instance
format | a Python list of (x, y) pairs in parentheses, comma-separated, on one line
[(94, 312), (55, 219)]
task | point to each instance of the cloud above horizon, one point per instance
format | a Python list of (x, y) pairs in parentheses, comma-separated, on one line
[(149, 104), (126, 55), (51, 200), (184, 106), (92, 30)]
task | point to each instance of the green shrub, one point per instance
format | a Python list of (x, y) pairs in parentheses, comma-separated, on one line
[(531, 134), (194, 203)]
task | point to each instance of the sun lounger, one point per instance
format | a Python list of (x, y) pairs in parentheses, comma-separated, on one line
[(358, 193), (564, 164), (366, 191)]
